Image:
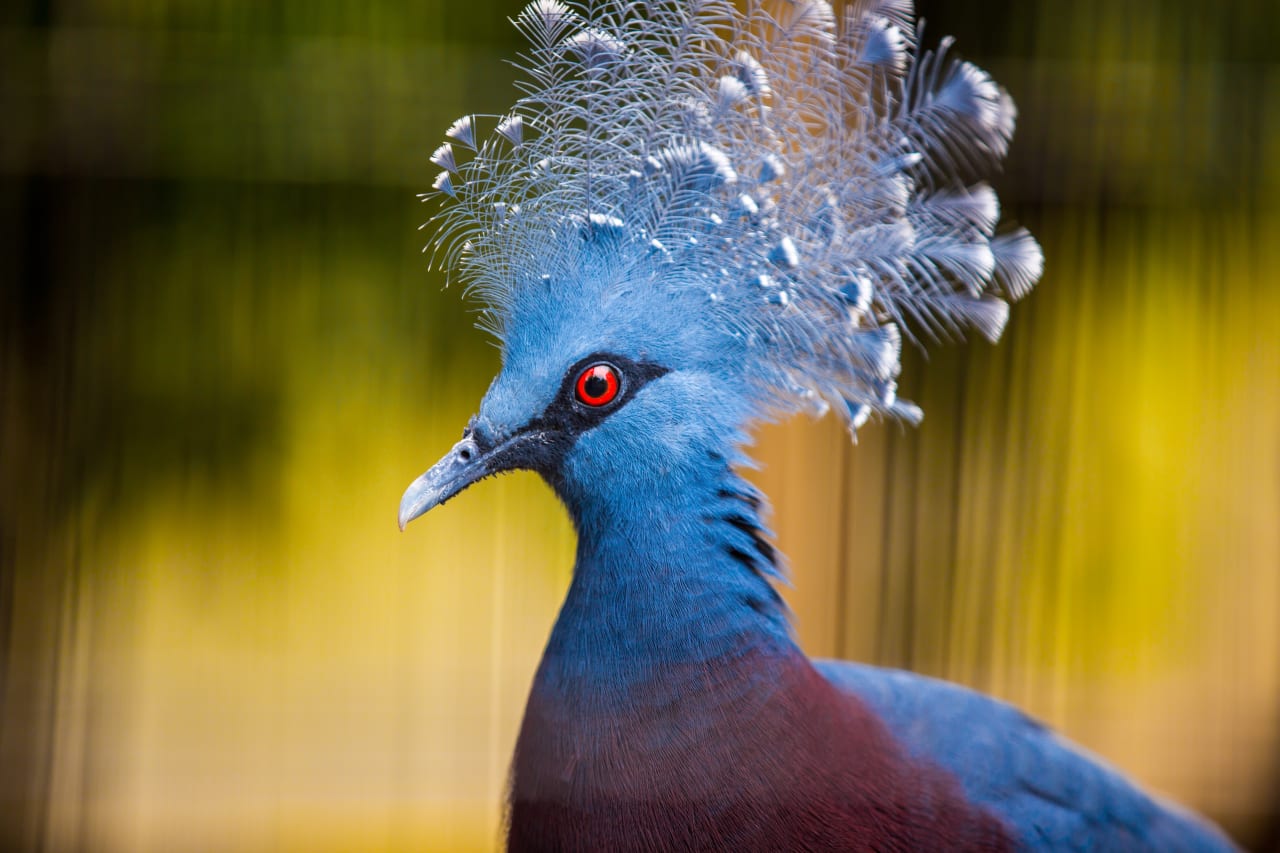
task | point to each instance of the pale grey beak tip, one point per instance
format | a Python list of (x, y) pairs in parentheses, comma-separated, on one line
[(418, 498), (459, 468)]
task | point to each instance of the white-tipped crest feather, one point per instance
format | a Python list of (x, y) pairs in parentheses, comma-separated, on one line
[(462, 132), (884, 46), (511, 128), (443, 157)]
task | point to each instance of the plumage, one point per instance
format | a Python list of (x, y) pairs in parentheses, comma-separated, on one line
[(698, 216)]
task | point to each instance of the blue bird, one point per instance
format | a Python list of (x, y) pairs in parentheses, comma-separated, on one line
[(701, 215)]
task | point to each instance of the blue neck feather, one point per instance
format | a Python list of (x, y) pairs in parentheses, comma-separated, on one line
[(670, 572)]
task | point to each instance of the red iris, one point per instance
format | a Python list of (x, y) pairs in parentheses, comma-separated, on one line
[(598, 385)]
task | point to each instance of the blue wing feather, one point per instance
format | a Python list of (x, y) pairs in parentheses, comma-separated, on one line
[(1054, 795)]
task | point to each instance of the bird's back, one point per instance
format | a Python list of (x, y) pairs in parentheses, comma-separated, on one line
[(1049, 792)]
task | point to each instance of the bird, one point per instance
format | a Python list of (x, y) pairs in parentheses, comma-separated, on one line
[(699, 216)]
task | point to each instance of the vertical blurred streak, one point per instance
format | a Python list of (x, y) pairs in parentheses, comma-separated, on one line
[(497, 662), (844, 552), (70, 743), (947, 663), (1005, 662), (883, 647), (46, 658), (863, 521), (1072, 326), (908, 567), (11, 440), (34, 581)]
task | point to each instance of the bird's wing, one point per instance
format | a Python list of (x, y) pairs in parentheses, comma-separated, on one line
[(1054, 795)]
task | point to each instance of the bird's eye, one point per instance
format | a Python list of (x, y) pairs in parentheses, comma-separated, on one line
[(598, 385)]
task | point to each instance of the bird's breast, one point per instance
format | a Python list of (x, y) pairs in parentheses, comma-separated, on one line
[(749, 751)]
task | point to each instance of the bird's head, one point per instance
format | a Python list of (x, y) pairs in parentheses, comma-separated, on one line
[(599, 390)]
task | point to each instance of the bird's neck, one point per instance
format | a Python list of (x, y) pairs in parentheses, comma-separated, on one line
[(669, 574)]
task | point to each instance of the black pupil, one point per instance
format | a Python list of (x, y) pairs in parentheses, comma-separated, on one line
[(595, 386)]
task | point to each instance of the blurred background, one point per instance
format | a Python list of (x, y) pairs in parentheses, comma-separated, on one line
[(223, 358)]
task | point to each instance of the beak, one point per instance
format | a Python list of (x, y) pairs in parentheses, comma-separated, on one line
[(469, 460), (459, 468)]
